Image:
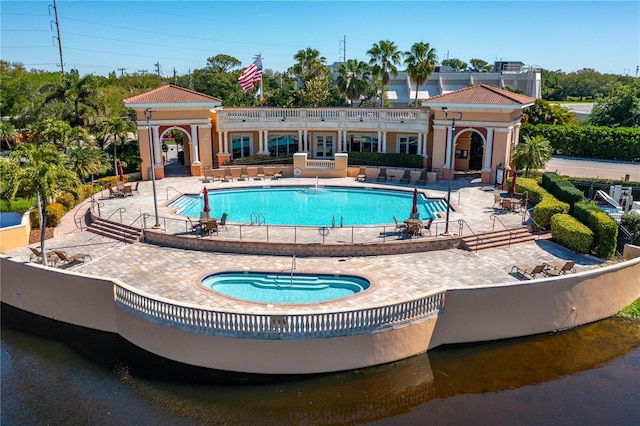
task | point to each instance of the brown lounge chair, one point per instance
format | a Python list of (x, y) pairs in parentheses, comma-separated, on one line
[(70, 259), (36, 256), (362, 174), (523, 271), (277, 175), (259, 173), (422, 180), (555, 269), (406, 177)]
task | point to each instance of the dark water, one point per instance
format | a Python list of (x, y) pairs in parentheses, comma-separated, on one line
[(589, 375)]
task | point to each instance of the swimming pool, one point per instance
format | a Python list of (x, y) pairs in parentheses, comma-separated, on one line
[(284, 288), (8, 219), (310, 206)]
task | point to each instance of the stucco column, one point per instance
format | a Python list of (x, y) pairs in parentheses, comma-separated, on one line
[(450, 140), (260, 140), (299, 140), (306, 141), (195, 154), (488, 150), (157, 157), (384, 141), (516, 134), (226, 141), (379, 140), (419, 142), (220, 142)]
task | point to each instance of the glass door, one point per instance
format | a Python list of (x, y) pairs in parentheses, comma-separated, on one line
[(324, 146)]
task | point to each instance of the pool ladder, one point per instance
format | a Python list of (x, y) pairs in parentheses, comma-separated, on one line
[(257, 218)]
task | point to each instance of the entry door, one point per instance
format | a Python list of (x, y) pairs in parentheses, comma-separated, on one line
[(324, 146)]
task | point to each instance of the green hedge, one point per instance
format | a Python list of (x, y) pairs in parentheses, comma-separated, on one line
[(562, 189), (620, 143), (632, 223), (55, 211), (604, 228), (84, 191), (547, 208), (67, 200), (388, 159), (570, 233), (535, 192)]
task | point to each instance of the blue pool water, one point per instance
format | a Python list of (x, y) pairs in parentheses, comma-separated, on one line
[(284, 288), (311, 206), (10, 219)]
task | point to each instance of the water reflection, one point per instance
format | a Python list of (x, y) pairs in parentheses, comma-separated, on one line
[(587, 375)]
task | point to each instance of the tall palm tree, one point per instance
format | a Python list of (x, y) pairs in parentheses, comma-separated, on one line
[(8, 134), (310, 63), (115, 130), (43, 173), (353, 78), (385, 57), (532, 153), (85, 158), (420, 61), (82, 92)]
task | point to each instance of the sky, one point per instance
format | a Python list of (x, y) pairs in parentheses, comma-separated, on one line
[(99, 37)]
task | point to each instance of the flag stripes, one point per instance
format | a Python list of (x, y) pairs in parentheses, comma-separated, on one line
[(251, 75)]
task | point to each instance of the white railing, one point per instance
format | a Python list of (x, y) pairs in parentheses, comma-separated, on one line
[(279, 326), (320, 165), (321, 114)]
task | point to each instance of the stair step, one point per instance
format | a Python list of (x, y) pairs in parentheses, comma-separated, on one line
[(499, 238), (115, 230)]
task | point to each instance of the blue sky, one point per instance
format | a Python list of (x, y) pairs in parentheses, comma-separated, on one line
[(103, 36)]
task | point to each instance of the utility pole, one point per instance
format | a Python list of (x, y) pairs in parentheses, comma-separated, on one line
[(55, 11), (344, 48), (157, 65), (175, 76), (121, 71)]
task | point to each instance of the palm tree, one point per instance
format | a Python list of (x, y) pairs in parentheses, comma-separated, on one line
[(43, 173), (82, 92), (532, 153), (8, 134), (310, 63), (420, 61), (385, 57), (353, 79), (115, 130), (85, 158)]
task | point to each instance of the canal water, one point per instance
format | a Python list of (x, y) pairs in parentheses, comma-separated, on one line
[(59, 374)]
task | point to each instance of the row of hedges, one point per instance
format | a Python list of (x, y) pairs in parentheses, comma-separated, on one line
[(571, 233), (390, 159), (562, 189), (545, 204), (604, 228), (620, 143)]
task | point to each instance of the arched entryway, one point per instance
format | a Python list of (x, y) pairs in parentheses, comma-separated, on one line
[(176, 145), (476, 152)]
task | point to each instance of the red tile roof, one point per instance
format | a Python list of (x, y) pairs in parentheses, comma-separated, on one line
[(481, 94), (171, 94)]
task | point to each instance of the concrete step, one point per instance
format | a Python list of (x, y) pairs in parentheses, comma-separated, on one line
[(115, 230), (494, 239)]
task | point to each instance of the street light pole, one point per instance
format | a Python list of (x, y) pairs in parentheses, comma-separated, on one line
[(147, 115), (451, 152)]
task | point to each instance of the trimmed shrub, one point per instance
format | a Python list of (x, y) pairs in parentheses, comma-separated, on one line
[(34, 218), (55, 211), (107, 182), (604, 228), (570, 233), (562, 189), (545, 209), (84, 192), (390, 159), (632, 223), (67, 200), (535, 192)]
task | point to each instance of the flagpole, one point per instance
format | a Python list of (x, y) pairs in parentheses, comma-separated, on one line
[(261, 91)]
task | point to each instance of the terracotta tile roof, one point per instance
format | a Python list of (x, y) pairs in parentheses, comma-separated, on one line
[(171, 94), (481, 94)]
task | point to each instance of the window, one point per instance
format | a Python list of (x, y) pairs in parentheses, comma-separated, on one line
[(362, 143), (462, 153), (240, 146), (282, 145), (407, 144)]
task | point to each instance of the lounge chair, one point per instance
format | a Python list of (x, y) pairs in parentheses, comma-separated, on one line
[(555, 269), (228, 176), (523, 271), (36, 256), (208, 175), (260, 173), (427, 226), (362, 174), (406, 177), (277, 175), (382, 176), (223, 221), (244, 174), (399, 226), (422, 180), (65, 259)]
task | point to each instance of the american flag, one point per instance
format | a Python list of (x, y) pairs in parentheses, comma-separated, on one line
[(251, 75)]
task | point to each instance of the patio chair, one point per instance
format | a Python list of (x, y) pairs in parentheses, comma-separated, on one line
[(196, 227), (277, 175), (406, 177), (127, 191), (36, 256), (532, 272), (427, 226), (244, 174), (497, 200), (208, 175), (228, 176), (382, 176), (399, 226), (115, 193), (260, 173), (422, 180), (223, 221), (555, 269), (65, 259), (135, 187), (362, 174), (507, 204), (211, 226)]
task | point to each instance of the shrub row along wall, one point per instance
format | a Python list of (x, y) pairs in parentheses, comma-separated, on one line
[(622, 143), (571, 233), (562, 189), (65, 201), (545, 204), (604, 228)]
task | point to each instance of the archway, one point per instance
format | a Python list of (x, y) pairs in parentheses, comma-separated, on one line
[(176, 143), (476, 152)]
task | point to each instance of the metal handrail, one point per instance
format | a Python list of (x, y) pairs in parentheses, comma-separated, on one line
[(538, 227), (462, 223), (493, 217), (171, 187)]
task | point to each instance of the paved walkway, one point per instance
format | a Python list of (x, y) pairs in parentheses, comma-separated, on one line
[(175, 274)]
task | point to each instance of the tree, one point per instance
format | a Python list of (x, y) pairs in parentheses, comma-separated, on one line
[(620, 109), (455, 64), (478, 65), (532, 153), (353, 79), (85, 158), (309, 64), (8, 134), (420, 61), (115, 131), (543, 112), (82, 92), (222, 63), (385, 57), (43, 173)]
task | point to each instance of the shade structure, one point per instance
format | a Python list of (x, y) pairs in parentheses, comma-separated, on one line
[(120, 172), (414, 208), (512, 188), (205, 195)]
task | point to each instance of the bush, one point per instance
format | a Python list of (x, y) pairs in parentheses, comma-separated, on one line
[(545, 209), (387, 159), (85, 191), (55, 211), (535, 193), (604, 228), (107, 182), (570, 233), (632, 223), (67, 200), (562, 189)]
